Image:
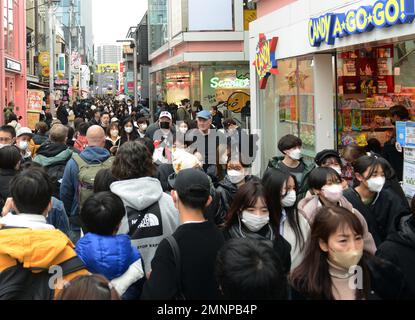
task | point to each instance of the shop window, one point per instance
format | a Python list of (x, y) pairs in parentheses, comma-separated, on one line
[(229, 89), (295, 89), (287, 107), (176, 86), (370, 81)]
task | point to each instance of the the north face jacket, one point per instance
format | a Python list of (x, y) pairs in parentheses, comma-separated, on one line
[(146, 229)]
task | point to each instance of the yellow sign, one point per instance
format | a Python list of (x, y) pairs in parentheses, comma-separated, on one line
[(45, 71), (44, 59), (109, 67), (32, 119), (249, 16)]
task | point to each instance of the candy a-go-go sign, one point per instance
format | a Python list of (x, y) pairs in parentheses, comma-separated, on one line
[(384, 13)]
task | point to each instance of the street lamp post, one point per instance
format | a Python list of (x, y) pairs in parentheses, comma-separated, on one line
[(51, 6), (132, 40), (70, 49), (80, 65)]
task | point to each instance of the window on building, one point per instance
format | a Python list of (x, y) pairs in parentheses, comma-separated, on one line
[(287, 107), (9, 9), (157, 13)]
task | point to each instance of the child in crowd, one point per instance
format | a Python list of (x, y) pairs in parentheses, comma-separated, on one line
[(91, 287), (101, 249)]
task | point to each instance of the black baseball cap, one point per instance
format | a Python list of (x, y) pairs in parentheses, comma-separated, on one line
[(192, 183), (323, 155)]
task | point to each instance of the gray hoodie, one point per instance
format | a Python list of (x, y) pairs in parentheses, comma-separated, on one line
[(138, 195)]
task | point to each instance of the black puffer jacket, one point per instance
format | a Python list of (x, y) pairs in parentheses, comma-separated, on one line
[(6, 177), (226, 192), (210, 212), (381, 214), (163, 173), (267, 235), (399, 248)]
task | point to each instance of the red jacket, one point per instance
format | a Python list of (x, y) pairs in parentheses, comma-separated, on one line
[(81, 143)]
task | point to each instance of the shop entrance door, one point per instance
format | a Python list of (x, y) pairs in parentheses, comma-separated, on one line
[(10, 90)]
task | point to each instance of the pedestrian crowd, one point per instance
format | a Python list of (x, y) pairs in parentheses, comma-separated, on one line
[(112, 207)]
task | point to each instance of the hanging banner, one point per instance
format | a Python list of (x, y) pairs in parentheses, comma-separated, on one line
[(32, 119), (61, 63), (409, 172), (35, 100)]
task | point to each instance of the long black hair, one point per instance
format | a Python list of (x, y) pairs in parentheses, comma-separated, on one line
[(124, 135), (246, 197), (273, 181), (373, 162), (312, 277)]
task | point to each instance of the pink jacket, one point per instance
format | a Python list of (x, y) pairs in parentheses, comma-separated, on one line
[(309, 206)]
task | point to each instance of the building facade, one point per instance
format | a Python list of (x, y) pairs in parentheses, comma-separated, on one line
[(13, 87), (108, 54), (334, 82), (87, 23), (194, 56)]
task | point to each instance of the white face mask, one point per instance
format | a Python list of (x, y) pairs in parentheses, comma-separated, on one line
[(376, 184), (143, 127), (254, 222), (337, 169), (289, 200), (295, 154), (128, 129), (183, 130), (333, 193), (23, 145), (236, 176), (114, 133)]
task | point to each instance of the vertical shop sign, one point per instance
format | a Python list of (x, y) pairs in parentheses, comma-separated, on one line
[(265, 61)]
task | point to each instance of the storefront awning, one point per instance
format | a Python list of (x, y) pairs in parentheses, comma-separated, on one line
[(36, 85)]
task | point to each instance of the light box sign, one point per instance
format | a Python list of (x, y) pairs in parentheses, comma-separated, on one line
[(265, 61), (230, 83), (383, 14)]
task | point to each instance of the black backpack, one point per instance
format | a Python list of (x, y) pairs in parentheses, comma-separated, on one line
[(19, 283), (55, 173)]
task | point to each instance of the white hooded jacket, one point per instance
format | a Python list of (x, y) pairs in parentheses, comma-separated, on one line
[(149, 227)]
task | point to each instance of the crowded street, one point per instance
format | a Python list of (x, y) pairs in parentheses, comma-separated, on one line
[(221, 150)]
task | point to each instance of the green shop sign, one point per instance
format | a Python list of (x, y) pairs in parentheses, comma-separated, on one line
[(216, 82)]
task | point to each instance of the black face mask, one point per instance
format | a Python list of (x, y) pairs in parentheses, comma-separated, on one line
[(164, 125)]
